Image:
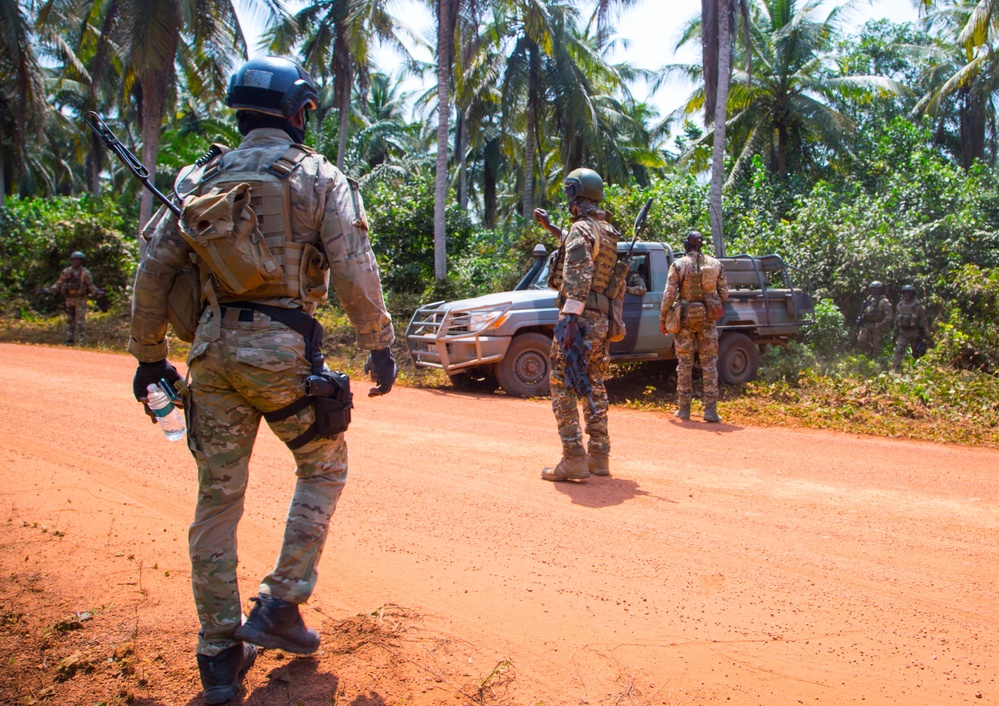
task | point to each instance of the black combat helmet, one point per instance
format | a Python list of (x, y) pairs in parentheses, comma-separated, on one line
[(272, 85), (77, 255), (693, 241), (877, 288), (908, 291), (584, 183)]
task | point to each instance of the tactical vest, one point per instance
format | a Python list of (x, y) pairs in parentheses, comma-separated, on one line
[(871, 313), (72, 282), (908, 316), (270, 201), (692, 286), (604, 254)]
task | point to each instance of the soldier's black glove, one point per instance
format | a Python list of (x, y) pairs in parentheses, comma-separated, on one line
[(381, 366), (151, 373), (571, 332)]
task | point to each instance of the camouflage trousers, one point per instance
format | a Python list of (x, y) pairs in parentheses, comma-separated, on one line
[(253, 368), (564, 401), (705, 344), (76, 319), (871, 339), (907, 339)]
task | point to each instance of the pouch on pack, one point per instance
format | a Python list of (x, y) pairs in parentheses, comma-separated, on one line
[(221, 228)]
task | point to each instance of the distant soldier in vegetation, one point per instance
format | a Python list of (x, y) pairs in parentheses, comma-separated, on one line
[(874, 321), (76, 284), (580, 273), (911, 329), (697, 284)]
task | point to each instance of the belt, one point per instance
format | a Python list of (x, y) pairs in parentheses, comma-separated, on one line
[(244, 316)]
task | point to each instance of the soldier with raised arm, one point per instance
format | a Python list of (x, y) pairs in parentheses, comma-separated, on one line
[(580, 273), (269, 224)]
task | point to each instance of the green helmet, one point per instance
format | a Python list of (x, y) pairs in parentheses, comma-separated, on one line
[(584, 183), (77, 256)]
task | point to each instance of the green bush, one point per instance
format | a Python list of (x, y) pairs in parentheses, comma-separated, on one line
[(402, 232), (828, 335), (38, 234)]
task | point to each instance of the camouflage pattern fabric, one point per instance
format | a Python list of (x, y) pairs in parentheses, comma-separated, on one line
[(876, 317), (255, 367), (705, 344), (636, 286), (326, 212), (906, 340), (565, 404), (76, 320), (906, 336), (577, 280)]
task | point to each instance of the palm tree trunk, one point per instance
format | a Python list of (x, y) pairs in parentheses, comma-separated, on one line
[(721, 115), (459, 154), (490, 158), (972, 121), (3, 181), (527, 205), (444, 39), (341, 150), (153, 99)]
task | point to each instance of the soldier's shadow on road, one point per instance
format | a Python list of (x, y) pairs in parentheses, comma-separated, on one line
[(700, 425), (599, 492)]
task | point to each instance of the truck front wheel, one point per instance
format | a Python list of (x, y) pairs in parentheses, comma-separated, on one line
[(524, 370), (738, 358)]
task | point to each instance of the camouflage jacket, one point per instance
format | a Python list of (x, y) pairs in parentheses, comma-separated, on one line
[(75, 283), (325, 212), (910, 316), (876, 311), (713, 279), (578, 269)]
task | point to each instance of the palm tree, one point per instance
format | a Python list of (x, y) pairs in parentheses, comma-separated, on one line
[(22, 92), (964, 76)]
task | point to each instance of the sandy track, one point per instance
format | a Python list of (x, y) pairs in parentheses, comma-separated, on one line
[(718, 565)]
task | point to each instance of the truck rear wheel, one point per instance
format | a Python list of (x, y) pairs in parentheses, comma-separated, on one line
[(524, 370), (738, 358)]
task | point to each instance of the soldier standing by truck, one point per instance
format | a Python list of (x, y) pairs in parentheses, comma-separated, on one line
[(278, 220), (76, 284), (580, 273), (911, 327), (874, 321), (696, 285)]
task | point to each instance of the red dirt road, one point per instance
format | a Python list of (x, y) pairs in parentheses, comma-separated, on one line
[(718, 565)]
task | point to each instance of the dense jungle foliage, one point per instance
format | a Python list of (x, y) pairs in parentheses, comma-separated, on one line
[(857, 157)]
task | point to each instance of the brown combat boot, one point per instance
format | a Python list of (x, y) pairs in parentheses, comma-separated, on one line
[(598, 464), (711, 413), (683, 411), (569, 468)]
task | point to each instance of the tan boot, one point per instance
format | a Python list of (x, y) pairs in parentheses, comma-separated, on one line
[(683, 411), (599, 464), (711, 413), (569, 468)]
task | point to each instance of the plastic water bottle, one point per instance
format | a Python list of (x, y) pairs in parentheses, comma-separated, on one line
[(167, 415)]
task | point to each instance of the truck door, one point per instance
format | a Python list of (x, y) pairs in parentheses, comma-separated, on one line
[(634, 314)]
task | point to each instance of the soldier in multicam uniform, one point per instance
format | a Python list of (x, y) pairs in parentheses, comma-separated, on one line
[(244, 364), (76, 284), (874, 321), (910, 326), (580, 273), (698, 283)]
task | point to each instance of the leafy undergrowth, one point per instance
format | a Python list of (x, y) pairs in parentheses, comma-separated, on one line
[(927, 401)]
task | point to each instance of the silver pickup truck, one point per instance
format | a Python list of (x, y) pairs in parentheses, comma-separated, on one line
[(505, 337)]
